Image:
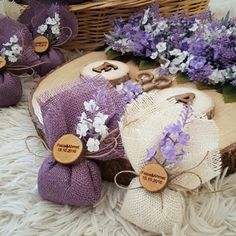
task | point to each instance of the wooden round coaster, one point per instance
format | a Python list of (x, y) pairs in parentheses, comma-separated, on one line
[(2, 62), (41, 44), (153, 177), (68, 149)]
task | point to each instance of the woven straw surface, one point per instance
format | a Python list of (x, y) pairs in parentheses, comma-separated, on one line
[(94, 18)]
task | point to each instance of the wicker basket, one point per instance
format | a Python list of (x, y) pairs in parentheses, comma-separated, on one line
[(94, 18)]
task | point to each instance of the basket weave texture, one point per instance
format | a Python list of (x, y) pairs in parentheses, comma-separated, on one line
[(95, 18)]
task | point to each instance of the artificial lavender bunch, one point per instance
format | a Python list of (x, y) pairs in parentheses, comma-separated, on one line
[(174, 139)]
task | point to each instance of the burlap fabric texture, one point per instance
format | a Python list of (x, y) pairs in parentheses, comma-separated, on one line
[(79, 184), (141, 128)]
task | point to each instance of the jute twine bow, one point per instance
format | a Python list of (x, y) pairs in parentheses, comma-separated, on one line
[(171, 178)]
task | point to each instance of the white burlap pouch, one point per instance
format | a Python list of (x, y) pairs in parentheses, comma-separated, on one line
[(141, 128)]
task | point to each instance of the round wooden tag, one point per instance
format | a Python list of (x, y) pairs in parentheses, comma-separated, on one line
[(2, 62), (68, 149), (41, 44), (153, 177)]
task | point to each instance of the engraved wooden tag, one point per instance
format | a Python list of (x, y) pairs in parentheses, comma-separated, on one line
[(153, 177), (2, 62), (186, 98), (68, 149), (41, 44), (106, 66)]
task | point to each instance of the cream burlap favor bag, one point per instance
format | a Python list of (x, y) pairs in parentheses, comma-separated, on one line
[(142, 128)]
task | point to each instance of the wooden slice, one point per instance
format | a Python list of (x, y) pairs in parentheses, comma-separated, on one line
[(68, 149), (153, 177), (225, 114), (41, 44), (2, 63)]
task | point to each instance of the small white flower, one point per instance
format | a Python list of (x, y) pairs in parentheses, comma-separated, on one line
[(194, 27), (99, 124), (42, 29), (145, 16), (180, 58), (161, 47), (57, 17), (175, 52), (83, 117), (155, 32), (173, 70), (154, 55), (91, 106), (100, 117), (182, 67), (55, 29), (93, 145), (51, 21), (16, 49), (148, 28), (162, 25), (190, 58), (8, 53), (216, 76), (14, 39), (165, 64), (82, 129), (7, 44), (2, 52), (12, 59), (101, 129)]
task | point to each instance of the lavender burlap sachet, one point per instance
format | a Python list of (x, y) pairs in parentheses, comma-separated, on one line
[(16, 57), (53, 22), (66, 111)]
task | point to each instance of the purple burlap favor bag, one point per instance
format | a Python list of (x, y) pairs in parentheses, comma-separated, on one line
[(16, 57), (78, 185), (64, 112), (10, 90), (51, 59), (54, 22)]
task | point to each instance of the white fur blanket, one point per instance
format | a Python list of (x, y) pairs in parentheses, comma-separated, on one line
[(22, 212)]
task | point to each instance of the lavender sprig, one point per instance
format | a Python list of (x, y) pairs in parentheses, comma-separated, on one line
[(200, 46), (130, 90), (174, 139)]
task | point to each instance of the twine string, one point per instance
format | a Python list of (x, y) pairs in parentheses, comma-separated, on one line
[(172, 178), (67, 39), (43, 142), (93, 155), (121, 186)]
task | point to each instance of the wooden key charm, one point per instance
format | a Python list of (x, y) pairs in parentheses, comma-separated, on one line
[(158, 83), (68, 149), (144, 78), (41, 44), (106, 66)]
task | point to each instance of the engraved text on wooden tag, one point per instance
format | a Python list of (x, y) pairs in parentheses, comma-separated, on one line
[(68, 149), (153, 177)]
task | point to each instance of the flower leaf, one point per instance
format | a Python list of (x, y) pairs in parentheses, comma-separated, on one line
[(204, 86), (182, 78), (111, 54), (114, 55), (229, 93), (147, 64)]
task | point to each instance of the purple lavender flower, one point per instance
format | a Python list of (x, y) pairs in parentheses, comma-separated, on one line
[(151, 153), (130, 90), (174, 139)]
